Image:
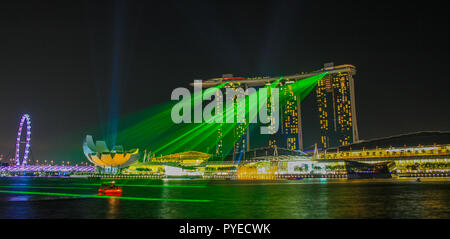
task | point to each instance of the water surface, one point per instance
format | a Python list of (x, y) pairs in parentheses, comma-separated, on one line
[(308, 198)]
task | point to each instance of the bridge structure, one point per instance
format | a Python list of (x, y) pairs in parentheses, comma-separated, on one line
[(24, 169)]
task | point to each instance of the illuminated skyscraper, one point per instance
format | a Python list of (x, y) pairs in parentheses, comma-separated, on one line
[(289, 134), (290, 118), (219, 111), (335, 102), (240, 130), (274, 138), (336, 106), (238, 134)]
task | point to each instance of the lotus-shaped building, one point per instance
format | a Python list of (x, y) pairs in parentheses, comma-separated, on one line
[(108, 160)]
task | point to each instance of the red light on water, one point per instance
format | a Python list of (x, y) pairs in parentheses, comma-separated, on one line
[(118, 194)]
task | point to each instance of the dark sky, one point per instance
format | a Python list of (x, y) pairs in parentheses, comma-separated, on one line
[(59, 60)]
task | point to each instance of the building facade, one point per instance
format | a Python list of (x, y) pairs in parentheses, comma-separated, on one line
[(336, 107), (335, 103), (290, 129), (289, 134), (231, 133)]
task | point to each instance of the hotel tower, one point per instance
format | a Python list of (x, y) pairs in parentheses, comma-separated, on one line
[(336, 106), (335, 98)]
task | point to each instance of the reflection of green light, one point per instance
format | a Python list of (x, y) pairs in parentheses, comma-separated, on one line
[(117, 197), (2, 186), (164, 186), (153, 186)]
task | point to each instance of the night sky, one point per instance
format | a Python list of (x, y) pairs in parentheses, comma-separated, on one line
[(60, 60)]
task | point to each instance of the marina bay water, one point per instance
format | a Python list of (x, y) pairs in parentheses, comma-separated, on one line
[(33, 197)]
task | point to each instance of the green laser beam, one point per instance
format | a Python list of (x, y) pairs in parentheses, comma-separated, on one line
[(302, 88), (116, 197), (199, 130), (157, 121), (197, 135), (57, 187), (163, 136)]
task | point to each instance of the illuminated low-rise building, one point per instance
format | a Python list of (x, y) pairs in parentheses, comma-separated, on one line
[(403, 154), (145, 169), (371, 157), (264, 170), (189, 158), (106, 160), (190, 163)]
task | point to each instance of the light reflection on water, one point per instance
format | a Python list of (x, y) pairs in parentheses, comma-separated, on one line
[(113, 207), (308, 198), (19, 198)]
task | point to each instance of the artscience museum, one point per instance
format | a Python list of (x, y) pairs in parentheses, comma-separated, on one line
[(106, 160)]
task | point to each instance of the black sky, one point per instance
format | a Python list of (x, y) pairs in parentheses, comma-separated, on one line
[(57, 59)]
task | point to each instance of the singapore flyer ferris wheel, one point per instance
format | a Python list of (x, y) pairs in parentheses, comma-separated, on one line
[(19, 142)]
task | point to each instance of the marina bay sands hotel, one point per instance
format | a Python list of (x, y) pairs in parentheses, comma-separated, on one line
[(335, 104)]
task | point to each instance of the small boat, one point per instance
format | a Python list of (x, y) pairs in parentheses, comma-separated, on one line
[(418, 180), (109, 189)]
